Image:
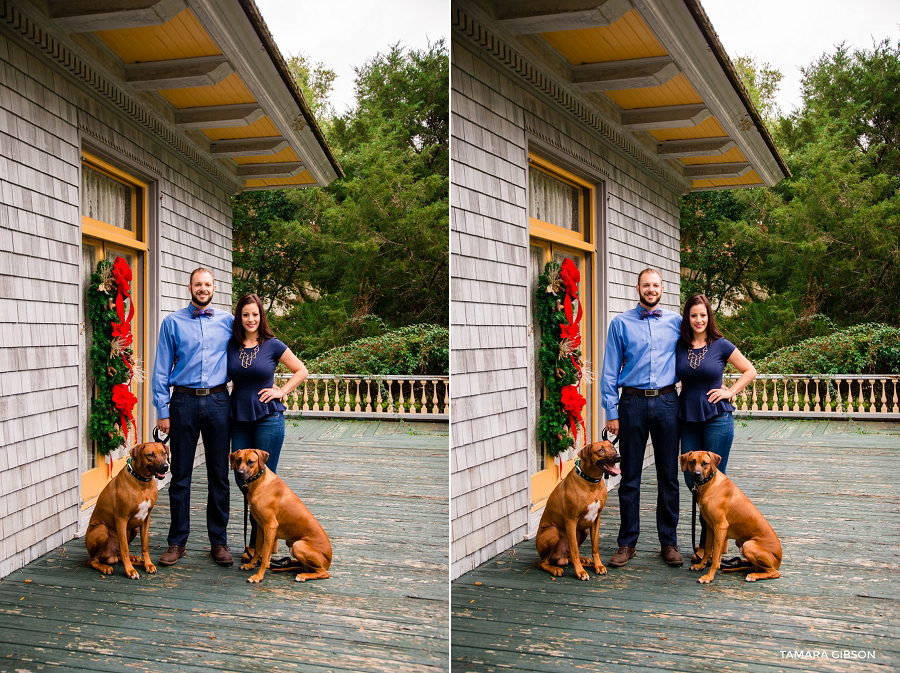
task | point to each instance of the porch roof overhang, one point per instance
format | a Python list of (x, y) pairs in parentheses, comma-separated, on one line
[(656, 69), (213, 69)]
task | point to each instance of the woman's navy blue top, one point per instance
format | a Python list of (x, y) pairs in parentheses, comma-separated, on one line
[(245, 404), (696, 383)]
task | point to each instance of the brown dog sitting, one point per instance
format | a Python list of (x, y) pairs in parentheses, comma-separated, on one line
[(124, 506), (573, 508), (280, 515), (730, 516)]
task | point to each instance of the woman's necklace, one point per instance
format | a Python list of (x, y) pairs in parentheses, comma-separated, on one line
[(248, 358), (694, 359)]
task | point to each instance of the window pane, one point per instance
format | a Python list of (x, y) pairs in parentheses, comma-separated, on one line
[(105, 199), (553, 201)]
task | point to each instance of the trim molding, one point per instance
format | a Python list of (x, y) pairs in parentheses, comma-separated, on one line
[(468, 28), (53, 49)]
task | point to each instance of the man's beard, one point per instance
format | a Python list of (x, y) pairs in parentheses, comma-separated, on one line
[(650, 304), (201, 304)]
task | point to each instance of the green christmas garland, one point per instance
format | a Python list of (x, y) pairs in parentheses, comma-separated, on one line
[(557, 358), (113, 363)]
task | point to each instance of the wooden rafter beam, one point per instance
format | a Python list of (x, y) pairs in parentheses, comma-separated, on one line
[(219, 116), (695, 147), (630, 74), (248, 147), (86, 16), (717, 171), (668, 117), (179, 73), (261, 171), (543, 16)]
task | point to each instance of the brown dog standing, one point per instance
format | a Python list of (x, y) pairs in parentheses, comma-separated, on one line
[(124, 506), (730, 516), (280, 515), (573, 508)]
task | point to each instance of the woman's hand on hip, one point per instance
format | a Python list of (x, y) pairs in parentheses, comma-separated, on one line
[(269, 394), (719, 394)]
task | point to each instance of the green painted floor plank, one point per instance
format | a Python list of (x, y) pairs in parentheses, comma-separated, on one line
[(829, 490), (383, 609)]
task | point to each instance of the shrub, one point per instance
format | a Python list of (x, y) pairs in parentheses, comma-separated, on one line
[(870, 348), (407, 351)]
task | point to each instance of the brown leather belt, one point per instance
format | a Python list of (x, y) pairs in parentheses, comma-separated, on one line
[(649, 393), (201, 392)]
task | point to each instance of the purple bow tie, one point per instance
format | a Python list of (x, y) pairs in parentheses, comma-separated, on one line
[(656, 313), (197, 312)]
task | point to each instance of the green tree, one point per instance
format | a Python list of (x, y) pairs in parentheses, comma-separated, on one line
[(370, 252)]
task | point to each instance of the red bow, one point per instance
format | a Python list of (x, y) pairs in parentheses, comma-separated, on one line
[(124, 401), (122, 275), (571, 277), (573, 402)]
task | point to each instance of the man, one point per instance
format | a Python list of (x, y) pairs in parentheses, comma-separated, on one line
[(640, 359), (190, 357)]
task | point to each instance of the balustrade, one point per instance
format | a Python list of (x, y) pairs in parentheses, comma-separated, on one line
[(801, 394), (387, 396)]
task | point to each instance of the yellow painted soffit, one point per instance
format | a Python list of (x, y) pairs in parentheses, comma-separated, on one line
[(629, 37), (181, 37), (730, 157), (261, 129), (711, 128), (677, 91), (752, 178), (303, 179), (286, 155), (230, 91)]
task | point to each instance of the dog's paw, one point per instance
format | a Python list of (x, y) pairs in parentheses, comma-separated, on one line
[(149, 567), (132, 574), (582, 574), (106, 570), (248, 566), (750, 578), (706, 579), (698, 566), (137, 559), (255, 579), (600, 569), (301, 578)]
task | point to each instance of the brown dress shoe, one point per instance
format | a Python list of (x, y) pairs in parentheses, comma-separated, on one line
[(671, 555), (622, 556), (222, 556), (171, 555)]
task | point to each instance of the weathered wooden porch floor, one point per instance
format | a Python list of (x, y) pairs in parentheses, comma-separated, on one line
[(830, 490), (380, 491)]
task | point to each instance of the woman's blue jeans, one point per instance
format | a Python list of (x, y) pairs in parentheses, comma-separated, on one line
[(716, 435), (266, 434)]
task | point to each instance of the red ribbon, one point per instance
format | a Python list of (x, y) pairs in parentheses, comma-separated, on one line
[(124, 401), (122, 275), (573, 402)]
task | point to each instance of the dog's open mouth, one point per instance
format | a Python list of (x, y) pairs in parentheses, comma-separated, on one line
[(160, 473), (611, 469)]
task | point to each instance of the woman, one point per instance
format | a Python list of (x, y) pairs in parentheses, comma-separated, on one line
[(705, 403), (257, 414)]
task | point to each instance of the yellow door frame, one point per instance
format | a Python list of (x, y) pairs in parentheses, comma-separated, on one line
[(553, 238), (107, 237)]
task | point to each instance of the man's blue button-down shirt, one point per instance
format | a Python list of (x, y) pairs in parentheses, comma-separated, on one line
[(648, 348), (199, 346)]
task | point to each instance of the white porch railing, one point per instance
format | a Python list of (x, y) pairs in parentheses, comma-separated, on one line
[(425, 398), (819, 396)]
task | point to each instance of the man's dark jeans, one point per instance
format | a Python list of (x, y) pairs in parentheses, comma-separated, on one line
[(656, 417), (192, 417)]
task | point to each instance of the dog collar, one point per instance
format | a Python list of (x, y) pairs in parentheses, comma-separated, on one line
[(135, 474), (581, 474), (700, 483), (256, 476)]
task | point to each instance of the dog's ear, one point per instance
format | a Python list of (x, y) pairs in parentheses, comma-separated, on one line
[(715, 458), (137, 453), (231, 458), (263, 457), (684, 460), (585, 453)]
